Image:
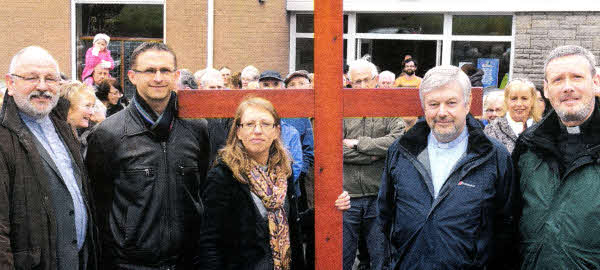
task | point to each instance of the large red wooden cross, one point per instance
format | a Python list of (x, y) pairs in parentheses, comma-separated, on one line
[(328, 104)]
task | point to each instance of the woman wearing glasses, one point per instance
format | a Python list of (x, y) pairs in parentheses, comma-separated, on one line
[(252, 220)]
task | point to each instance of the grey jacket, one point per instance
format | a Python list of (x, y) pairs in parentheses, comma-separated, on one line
[(500, 130), (363, 166)]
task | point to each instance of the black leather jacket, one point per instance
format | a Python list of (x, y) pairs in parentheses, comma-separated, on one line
[(146, 216)]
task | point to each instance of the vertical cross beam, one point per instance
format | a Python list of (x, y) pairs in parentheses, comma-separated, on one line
[(329, 111)]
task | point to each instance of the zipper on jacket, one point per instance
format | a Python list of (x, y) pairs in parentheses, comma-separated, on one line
[(168, 192)]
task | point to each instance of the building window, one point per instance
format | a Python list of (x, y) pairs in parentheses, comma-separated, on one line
[(127, 25), (431, 39)]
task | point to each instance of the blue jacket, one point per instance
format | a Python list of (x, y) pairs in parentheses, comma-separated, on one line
[(305, 130), (470, 225), (291, 141)]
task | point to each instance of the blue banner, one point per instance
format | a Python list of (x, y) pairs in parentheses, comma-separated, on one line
[(490, 71)]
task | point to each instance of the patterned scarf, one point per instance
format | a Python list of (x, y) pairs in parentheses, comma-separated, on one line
[(272, 191)]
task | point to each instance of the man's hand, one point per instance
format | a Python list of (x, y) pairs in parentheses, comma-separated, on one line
[(350, 143), (343, 201)]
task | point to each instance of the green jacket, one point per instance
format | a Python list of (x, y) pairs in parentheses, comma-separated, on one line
[(363, 166), (560, 218)]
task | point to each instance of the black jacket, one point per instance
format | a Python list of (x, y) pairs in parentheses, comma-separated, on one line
[(235, 236), (28, 221), (146, 216)]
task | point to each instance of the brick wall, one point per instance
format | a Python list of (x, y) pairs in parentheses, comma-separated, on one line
[(44, 23), (538, 33), (248, 32), (186, 32)]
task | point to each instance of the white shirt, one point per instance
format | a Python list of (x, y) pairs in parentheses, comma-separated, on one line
[(444, 156), (517, 127)]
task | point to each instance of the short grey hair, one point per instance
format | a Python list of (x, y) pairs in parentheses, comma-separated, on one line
[(211, 74), (186, 79), (39, 52), (387, 75), (491, 96), (442, 75), (362, 63), (568, 50), (250, 71)]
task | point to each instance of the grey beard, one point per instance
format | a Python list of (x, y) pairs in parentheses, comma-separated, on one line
[(579, 115)]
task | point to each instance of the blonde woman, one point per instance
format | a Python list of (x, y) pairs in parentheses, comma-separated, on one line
[(82, 100), (521, 112)]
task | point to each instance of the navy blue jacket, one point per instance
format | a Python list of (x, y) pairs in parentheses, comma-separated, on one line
[(470, 225)]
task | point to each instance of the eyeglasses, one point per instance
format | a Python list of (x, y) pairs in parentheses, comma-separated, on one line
[(152, 71), (36, 79), (264, 126)]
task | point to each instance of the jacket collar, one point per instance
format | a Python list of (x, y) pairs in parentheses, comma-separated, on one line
[(543, 137), (136, 124), (415, 140), (504, 126)]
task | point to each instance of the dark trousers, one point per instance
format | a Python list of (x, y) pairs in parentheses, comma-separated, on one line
[(360, 221)]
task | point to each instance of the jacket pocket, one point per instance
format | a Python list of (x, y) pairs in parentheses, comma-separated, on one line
[(27, 259), (188, 191), (137, 187)]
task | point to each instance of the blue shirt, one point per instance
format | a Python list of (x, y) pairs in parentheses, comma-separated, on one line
[(43, 129), (444, 156)]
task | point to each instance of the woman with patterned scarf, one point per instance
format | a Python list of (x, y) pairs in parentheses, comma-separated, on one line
[(251, 220)]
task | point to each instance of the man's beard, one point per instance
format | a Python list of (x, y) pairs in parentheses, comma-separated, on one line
[(409, 72), (24, 103), (580, 113)]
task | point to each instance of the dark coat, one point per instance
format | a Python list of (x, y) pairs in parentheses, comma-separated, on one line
[(470, 225), (235, 236), (28, 221), (560, 201), (146, 216)]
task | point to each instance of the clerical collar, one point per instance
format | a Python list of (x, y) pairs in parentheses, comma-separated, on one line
[(435, 143), (574, 130)]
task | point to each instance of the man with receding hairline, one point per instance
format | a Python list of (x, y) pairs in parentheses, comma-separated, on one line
[(558, 165), (45, 217), (146, 165)]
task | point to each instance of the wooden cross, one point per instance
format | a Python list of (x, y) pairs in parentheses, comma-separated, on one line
[(328, 104)]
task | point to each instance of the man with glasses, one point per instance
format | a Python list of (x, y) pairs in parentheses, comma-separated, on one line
[(408, 78), (146, 165), (365, 145), (45, 218)]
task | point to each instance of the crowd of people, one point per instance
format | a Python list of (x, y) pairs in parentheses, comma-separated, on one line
[(92, 180)]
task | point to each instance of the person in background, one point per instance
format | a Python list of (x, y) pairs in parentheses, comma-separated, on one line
[(110, 96), (386, 79), (82, 100), (236, 80), (226, 72), (97, 56), (409, 78), (475, 74), (186, 80), (365, 144), (540, 103), (249, 74), (493, 106), (99, 113), (212, 80), (520, 103)]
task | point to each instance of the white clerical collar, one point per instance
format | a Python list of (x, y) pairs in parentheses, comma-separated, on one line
[(573, 130), (437, 144), (517, 127)]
